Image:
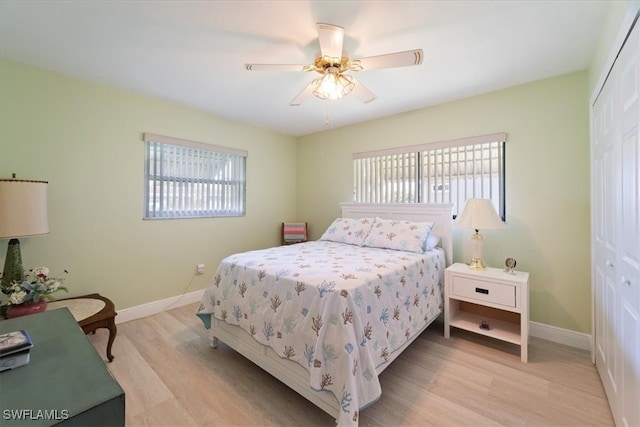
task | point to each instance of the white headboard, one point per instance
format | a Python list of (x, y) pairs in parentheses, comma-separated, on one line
[(440, 215)]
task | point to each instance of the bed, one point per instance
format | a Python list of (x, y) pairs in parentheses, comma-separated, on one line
[(327, 317)]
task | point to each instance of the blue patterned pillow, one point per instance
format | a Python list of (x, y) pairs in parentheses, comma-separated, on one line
[(398, 234), (348, 230)]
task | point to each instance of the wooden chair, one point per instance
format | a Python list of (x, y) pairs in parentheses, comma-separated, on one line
[(294, 232)]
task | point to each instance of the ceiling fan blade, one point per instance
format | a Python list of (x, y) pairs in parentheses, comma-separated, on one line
[(277, 67), (331, 38), (390, 60), (361, 92), (302, 96)]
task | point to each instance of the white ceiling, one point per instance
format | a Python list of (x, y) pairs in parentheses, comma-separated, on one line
[(194, 52)]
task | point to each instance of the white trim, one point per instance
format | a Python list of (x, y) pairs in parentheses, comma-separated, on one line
[(562, 336), (155, 307), (539, 330)]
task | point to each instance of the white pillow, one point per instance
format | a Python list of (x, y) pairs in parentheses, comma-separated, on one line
[(348, 230), (432, 242), (398, 234)]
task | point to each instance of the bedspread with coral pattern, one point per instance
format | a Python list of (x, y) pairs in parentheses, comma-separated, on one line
[(338, 310)]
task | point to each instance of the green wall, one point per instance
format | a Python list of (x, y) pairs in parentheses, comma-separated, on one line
[(547, 182), (86, 140)]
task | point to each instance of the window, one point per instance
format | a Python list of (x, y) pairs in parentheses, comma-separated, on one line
[(440, 172), (186, 179)]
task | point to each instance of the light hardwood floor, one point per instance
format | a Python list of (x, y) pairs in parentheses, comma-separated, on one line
[(172, 377)]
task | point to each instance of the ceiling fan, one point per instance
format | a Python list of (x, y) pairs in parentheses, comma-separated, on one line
[(333, 63)]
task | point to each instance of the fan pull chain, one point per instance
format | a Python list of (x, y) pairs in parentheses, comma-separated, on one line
[(327, 117)]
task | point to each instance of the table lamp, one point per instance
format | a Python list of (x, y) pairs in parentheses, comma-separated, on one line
[(478, 214), (23, 213)]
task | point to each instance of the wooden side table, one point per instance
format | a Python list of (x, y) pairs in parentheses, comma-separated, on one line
[(91, 312)]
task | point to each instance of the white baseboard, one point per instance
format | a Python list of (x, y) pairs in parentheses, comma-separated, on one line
[(155, 307), (539, 330), (561, 336)]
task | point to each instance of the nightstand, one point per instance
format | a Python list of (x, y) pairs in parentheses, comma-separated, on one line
[(488, 302)]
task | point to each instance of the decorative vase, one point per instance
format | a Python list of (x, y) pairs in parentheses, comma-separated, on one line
[(25, 309), (13, 271)]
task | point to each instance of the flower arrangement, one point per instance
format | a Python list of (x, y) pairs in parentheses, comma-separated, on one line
[(36, 285)]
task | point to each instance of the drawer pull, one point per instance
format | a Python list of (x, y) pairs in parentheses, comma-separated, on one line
[(482, 291)]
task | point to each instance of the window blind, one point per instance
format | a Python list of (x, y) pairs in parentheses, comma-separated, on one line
[(441, 172), (187, 179)]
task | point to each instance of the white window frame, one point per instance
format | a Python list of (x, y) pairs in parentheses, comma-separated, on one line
[(189, 179), (438, 172)]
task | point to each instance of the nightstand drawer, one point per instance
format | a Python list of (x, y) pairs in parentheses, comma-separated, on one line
[(495, 293)]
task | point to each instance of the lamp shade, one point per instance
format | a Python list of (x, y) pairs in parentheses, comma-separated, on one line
[(479, 214), (23, 208)]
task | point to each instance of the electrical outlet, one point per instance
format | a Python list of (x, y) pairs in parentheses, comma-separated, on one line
[(200, 268)]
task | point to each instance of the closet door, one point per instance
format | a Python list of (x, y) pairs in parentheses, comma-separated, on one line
[(616, 233), (605, 207), (628, 76)]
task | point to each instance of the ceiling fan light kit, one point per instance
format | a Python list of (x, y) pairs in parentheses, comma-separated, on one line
[(333, 86), (332, 64)]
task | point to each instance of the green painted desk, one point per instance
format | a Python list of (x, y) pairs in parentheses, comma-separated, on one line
[(66, 382)]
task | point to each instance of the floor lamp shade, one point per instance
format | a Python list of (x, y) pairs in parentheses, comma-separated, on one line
[(478, 214), (23, 213)]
